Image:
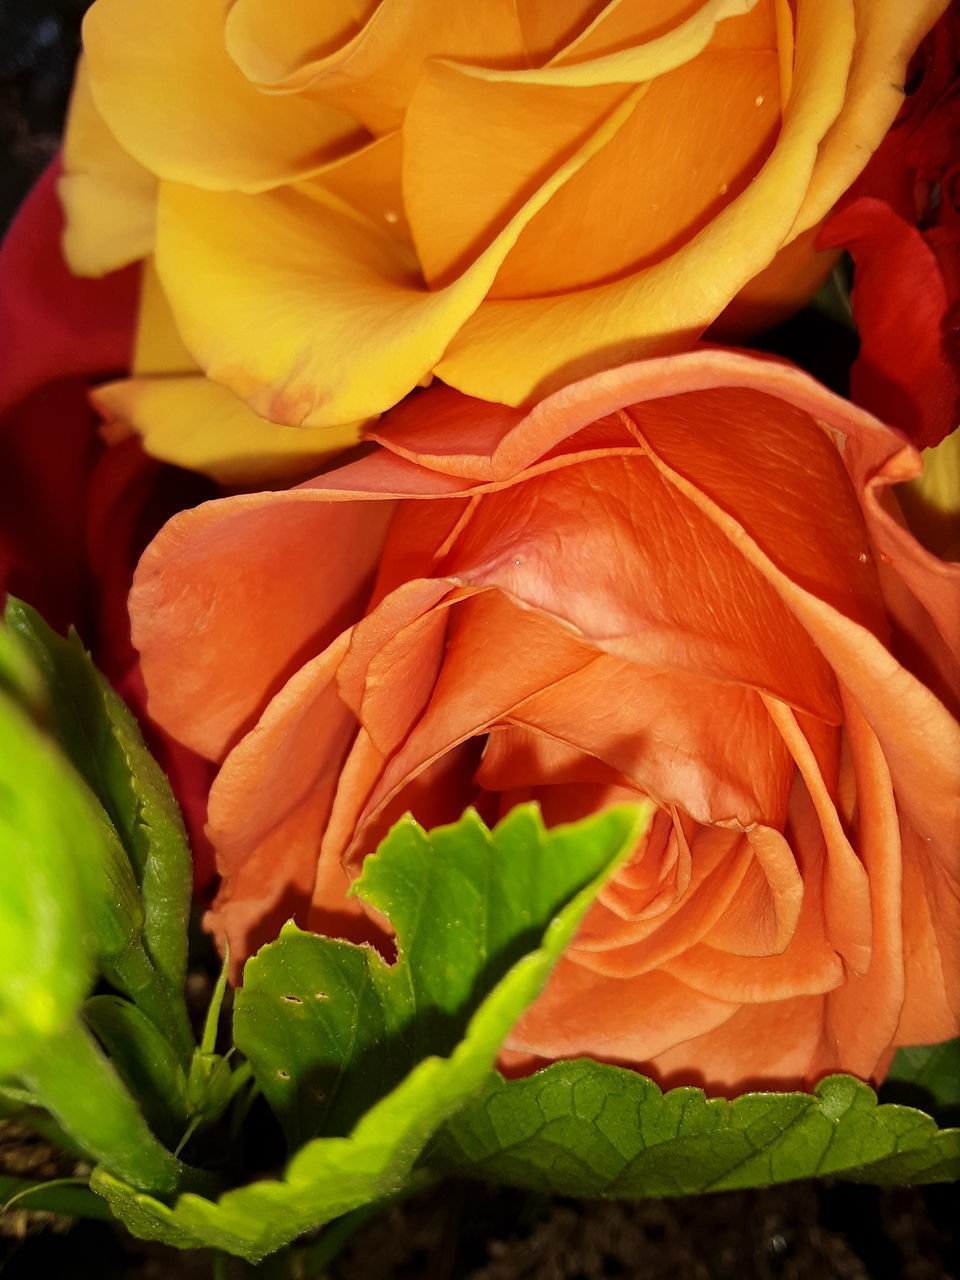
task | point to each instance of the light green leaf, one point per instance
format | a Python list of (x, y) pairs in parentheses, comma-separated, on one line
[(516, 894), (48, 830), (581, 1128), (149, 868)]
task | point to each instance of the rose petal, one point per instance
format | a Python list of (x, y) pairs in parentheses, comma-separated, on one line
[(224, 132), (900, 303), (269, 807), (109, 199), (249, 627)]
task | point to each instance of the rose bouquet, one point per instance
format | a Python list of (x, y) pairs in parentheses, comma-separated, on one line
[(561, 701)]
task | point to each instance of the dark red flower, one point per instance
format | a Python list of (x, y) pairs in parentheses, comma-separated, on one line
[(901, 223), (74, 513)]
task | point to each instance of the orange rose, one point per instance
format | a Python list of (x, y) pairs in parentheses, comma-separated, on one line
[(681, 579), (347, 199)]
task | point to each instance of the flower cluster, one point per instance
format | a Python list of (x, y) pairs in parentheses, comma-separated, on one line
[(581, 555)]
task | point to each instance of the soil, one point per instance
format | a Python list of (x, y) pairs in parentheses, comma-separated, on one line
[(463, 1231)]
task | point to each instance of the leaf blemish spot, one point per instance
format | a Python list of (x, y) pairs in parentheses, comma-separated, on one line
[(292, 999), (282, 1075)]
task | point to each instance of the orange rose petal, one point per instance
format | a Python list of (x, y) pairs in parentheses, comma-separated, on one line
[(757, 457), (919, 738), (846, 891), (395, 655), (207, 583), (705, 747), (801, 960), (762, 918), (358, 779), (269, 773), (628, 1021), (931, 950), (221, 131), (418, 530), (269, 806), (656, 877), (372, 72), (438, 794), (782, 1041), (609, 943), (922, 595), (475, 688), (275, 883), (516, 757), (109, 200), (862, 1014), (458, 436), (617, 588)]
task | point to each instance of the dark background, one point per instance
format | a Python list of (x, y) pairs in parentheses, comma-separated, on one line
[(803, 1231)]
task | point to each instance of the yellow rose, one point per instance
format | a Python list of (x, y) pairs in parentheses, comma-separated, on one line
[(509, 194)]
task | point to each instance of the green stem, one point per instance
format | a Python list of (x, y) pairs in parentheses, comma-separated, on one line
[(81, 1090), (72, 1198)]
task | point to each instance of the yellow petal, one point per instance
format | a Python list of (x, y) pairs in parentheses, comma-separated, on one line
[(158, 347), (559, 31), (474, 150), (371, 74), (747, 25), (108, 198), (514, 350), (198, 424), (183, 418), (651, 190), (164, 83), (888, 32), (307, 311)]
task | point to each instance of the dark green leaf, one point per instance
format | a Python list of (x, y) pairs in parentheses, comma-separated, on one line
[(105, 744), (329, 1027), (927, 1076), (331, 1176), (68, 1196), (75, 1082), (586, 1129), (142, 930), (145, 1062)]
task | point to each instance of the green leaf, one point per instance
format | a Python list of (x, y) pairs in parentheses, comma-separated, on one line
[(582, 1128), (75, 1082), (48, 830), (833, 299), (69, 1196), (143, 933), (928, 1076), (145, 1062), (481, 919), (329, 1028)]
